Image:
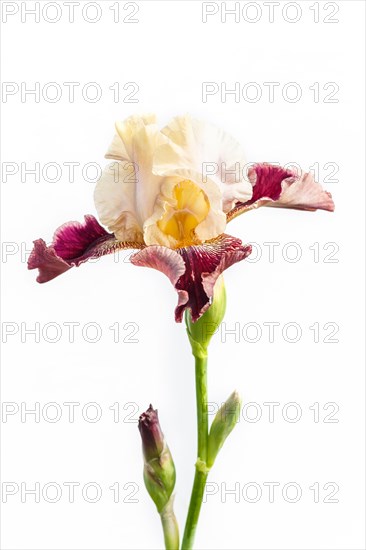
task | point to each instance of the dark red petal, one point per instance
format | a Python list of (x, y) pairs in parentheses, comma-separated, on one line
[(73, 243), (72, 239), (266, 180), (193, 270), (276, 186)]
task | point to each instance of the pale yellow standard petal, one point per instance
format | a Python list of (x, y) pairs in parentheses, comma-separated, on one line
[(126, 194), (215, 154), (121, 147), (141, 138), (114, 198)]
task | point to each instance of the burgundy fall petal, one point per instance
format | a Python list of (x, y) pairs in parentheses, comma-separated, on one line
[(279, 187), (73, 243), (193, 270), (73, 239)]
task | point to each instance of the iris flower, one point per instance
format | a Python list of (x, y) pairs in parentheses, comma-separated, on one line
[(169, 194)]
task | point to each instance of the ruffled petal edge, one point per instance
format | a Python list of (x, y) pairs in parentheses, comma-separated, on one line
[(73, 244), (282, 188), (194, 270)]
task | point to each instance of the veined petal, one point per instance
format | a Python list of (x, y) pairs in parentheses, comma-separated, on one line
[(142, 137), (120, 148), (126, 200), (212, 152), (114, 199), (166, 260), (279, 187), (117, 150), (304, 194), (73, 243), (193, 270)]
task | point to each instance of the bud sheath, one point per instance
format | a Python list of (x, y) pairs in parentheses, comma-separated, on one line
[(201, 332), (223, 424)]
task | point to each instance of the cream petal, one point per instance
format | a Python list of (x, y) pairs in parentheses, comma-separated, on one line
[(141, 137), (114, 198), (213, 226), (121, 147), (117, 150), (212, 152), (125, 200)]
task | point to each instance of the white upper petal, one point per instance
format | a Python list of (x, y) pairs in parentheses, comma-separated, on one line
[(214, 153), (114, 198), (121, 147), (136, 188)]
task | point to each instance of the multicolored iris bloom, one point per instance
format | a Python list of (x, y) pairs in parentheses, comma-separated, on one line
[(169, 193)]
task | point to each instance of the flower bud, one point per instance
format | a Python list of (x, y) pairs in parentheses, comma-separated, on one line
[(159, 469), (201, 332), (223, 424)]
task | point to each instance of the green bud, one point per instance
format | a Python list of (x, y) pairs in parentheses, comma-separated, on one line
[(159, 469), (201, 332), (223, 424)]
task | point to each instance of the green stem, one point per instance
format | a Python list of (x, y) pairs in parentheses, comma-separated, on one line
[(170, 527), (201, 469), (202, 411), (194, 509)]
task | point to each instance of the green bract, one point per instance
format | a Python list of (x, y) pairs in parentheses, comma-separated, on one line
[(159, 477), (201, 332), (223, 424)]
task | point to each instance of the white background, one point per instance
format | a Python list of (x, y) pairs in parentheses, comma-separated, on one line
[(169, 53)]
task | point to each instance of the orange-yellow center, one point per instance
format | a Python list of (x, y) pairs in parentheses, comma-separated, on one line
[(191, 208)]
